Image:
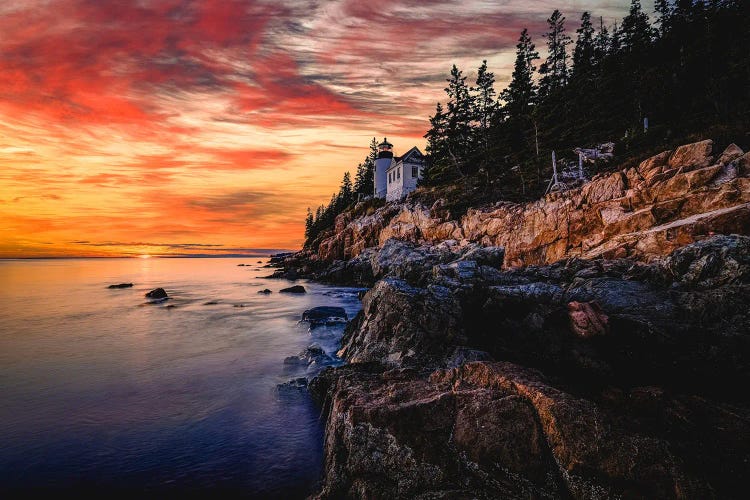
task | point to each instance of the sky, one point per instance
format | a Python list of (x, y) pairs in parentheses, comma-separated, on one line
[(156, 127)]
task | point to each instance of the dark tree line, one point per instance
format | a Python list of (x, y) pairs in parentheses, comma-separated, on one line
[(687, 72), (363, 185)]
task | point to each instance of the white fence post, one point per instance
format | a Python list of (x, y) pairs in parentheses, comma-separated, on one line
[(554, 167)]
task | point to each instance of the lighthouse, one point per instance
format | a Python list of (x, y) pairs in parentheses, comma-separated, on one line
[(382, 164)]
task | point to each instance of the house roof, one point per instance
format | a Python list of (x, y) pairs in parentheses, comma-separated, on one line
[(413, 154)]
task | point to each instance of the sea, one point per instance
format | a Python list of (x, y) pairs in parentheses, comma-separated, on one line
[(103, 391)]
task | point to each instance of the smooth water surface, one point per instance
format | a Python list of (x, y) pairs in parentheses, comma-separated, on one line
[(102, 390)]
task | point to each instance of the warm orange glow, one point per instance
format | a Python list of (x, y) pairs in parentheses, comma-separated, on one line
[(173, 127)]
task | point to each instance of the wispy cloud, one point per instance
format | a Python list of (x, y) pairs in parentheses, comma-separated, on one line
[(220, 119)]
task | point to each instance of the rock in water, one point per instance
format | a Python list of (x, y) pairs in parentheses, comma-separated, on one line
[(325, 315), (293, 289), (157, 293), (121, 285), (292, 388), (313, 354), (265, 291)]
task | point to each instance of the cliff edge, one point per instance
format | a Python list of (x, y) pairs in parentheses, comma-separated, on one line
[(592, 344)]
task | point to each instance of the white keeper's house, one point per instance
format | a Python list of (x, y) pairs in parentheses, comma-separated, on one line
[(397, 176)]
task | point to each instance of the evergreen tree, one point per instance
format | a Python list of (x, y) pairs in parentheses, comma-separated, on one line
[(521, 93), (484, 103), (554, 71), (584, 53), (615, 44), (663, 9), (364, 179), (458, 118), (636, 29), (345, 191), (601, 42), (309, 221), (436, 135)]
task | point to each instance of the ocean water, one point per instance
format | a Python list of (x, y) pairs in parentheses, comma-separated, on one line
[(102, 391)]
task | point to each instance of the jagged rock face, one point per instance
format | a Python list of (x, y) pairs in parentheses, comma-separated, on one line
[(398, 259), (646, 212), (618, 379), (403, 325), (498, 430), (588, 319)]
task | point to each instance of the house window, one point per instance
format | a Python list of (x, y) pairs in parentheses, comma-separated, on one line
[(414, 172), (389, 177), (398, 173)]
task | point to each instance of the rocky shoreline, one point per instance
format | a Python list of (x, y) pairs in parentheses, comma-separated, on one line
[(536, 369)]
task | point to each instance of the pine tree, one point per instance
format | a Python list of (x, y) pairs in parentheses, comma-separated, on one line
[(345, 192), (520, 95), (584, 53), (554, 71), (615, 44), (309, 221), (364, 179), (484, 103), (458, 118), (663, 11), (436, 135), (636, 29), (601, 42)]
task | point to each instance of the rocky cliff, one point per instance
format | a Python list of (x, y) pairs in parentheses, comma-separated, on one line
[(583, 379), (593, 344), (645, 212)]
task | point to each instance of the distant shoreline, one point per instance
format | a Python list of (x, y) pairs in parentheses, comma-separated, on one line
[(195, 256)]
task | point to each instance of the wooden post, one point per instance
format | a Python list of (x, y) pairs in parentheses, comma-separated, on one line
[(554, 167)]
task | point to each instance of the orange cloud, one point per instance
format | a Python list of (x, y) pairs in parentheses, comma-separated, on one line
[(216, 121)]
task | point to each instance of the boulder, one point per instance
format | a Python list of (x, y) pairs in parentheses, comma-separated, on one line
[(731, 153), (403, 260), (587, 319), (265, 291), (649, 168), (121, 285), (292, 388), (403, 325), (157, 293), (485, 255), (692, 156), (604, 188), (484, 430), (313, 355), (713, 262), (294, 289), (325, 315), (743, 165)]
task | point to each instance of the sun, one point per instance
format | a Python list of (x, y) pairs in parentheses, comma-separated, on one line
[(144, 256)]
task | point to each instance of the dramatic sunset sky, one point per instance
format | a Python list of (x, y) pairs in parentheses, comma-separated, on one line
[(132, 127)]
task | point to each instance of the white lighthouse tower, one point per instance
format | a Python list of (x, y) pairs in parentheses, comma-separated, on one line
[(382, 164)]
